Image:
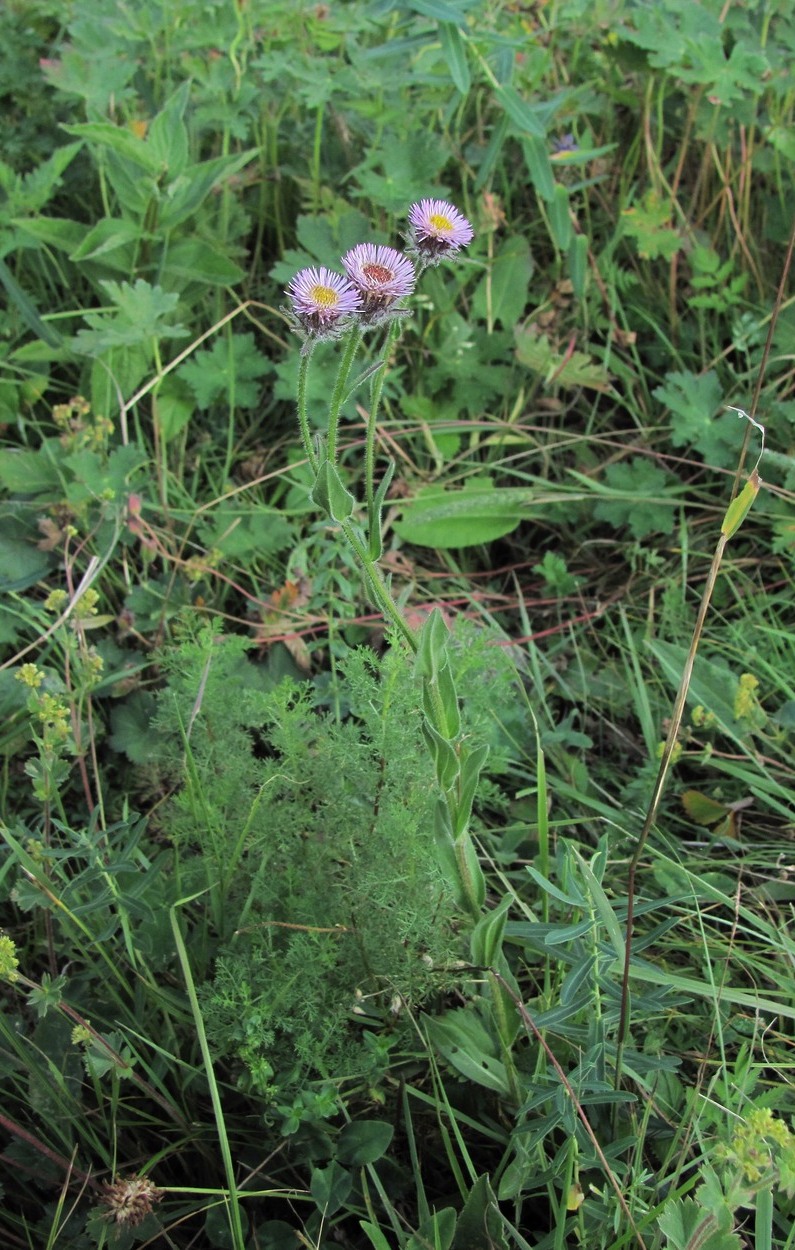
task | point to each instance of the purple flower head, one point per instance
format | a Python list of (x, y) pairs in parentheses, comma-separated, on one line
[(382, 277), (322, 302), (438, 231), (564, 143)]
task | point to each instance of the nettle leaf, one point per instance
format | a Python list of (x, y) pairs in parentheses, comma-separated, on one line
[(642, 507), (479, 513), (230, 369), (563, 369), (694, 399)]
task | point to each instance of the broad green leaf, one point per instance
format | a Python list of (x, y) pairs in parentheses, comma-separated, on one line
[(22, 564), (243, 531), (501, 295), (167, 136), (472, 762), (463, 518), (132, 733), (539, 166), (363, 1141), (462, 1038), (559, 213), (578, 263), (563, 369), (57, 232), (173, 407), (455, 54), (376, 1238), (330, 494), (109, 234), (440, 703), (197, 260), (485, 942), (702, 809), (330, 1187), (686, 1223), (442, 752), (187, 192), (435, 1233), (480, 1225), (695, 401), (119, 140), (25, 472), (520, 113), (432, 646)]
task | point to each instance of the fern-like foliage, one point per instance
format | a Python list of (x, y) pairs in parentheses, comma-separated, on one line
[(311, 838)]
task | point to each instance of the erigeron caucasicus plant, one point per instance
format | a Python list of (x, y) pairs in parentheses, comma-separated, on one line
[(371, 294)]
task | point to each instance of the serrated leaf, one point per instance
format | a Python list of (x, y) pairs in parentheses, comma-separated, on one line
[(642, 507), (119, 140), (559, 369), (685, 1224), (649, 224), (228, 371), (702, 809), (132, 732)]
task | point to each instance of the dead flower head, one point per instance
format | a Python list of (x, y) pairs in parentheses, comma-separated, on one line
[(130, 1199)]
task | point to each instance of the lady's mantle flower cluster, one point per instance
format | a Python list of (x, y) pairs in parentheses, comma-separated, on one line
[(377, 278)]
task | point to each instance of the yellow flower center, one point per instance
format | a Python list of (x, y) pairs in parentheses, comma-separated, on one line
[(377, 273), (441, 223), (325, 296)]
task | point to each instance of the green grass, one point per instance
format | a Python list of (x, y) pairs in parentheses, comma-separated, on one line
[(249, 997)]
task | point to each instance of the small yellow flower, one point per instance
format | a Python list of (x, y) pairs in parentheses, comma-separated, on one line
[(8, 959), (86, 605), (81, 1036), (56, 601), (30, 676), (745, 700)]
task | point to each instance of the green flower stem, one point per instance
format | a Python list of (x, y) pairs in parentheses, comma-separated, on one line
[(232, 1203), (378, 587), (376, 388), (303, 418), (351, 348)]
